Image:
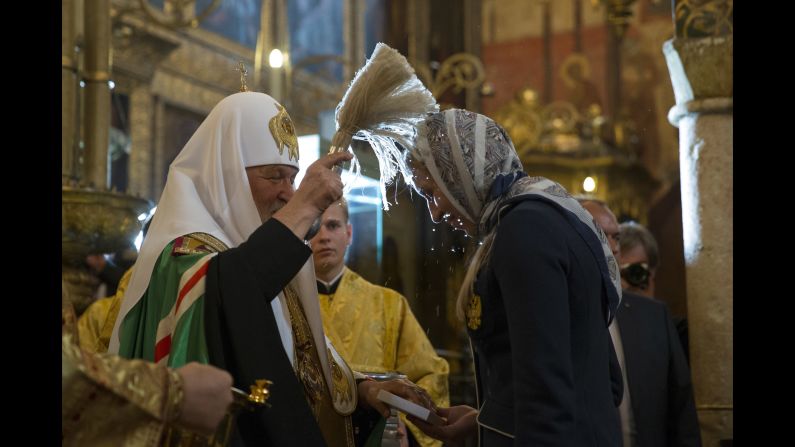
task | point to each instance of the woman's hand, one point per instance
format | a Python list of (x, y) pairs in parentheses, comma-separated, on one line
[(461, 425)]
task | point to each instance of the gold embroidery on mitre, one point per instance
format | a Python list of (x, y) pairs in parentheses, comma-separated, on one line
[(473, 312), (281, 127)]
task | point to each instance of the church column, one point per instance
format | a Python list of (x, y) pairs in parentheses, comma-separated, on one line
[(97, 92), (701, 74), (159, 167), (619, 14), (264, 46), (68, 89), (419, 30), (353, 38), (546, 33), (473, 19), (141, 126)]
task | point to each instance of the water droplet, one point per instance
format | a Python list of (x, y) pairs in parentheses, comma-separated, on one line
[(437, 310)]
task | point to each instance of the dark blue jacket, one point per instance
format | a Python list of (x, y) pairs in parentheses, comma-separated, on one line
[(543, 351)]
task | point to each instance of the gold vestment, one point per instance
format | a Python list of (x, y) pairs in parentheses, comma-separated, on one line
[(374, 330)]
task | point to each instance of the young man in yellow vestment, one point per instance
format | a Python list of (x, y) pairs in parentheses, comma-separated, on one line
[(372, 327)]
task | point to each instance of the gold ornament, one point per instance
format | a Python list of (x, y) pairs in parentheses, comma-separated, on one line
[(473, 312), (283, 132)]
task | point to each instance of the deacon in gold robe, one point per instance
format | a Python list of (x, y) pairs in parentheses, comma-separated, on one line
[(372, 327), (95, 325)]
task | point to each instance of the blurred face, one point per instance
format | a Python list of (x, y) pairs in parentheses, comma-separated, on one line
[(636, 255), (331, 241), (271, 186), (439, 205), (607, 220)]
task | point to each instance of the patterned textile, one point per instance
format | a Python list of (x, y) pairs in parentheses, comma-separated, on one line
[(337, 429), (111, 401)]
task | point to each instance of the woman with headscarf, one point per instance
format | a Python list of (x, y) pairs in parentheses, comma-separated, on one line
[(537, 297)]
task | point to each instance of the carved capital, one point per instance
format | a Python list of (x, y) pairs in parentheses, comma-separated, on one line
[(700, 69)]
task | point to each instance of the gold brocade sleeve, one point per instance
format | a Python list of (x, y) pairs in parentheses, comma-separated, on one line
[(108, 400), (89, 325), (112, 401)]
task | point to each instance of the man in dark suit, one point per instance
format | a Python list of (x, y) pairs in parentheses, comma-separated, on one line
[(639, 261), (658, 407)]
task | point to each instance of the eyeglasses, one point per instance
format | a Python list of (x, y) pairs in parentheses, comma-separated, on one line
[(636, 274)]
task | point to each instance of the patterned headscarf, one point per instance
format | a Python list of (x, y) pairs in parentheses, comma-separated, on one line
[(473, 161)]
